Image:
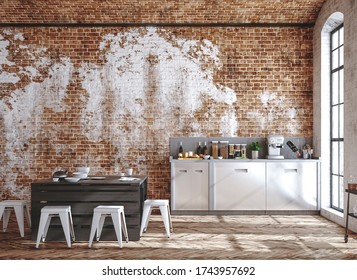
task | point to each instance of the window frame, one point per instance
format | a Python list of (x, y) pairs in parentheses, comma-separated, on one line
[(337, 134)]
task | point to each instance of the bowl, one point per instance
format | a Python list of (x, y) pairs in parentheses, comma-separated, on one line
[(83, 169), (72, 179), (55, 179), (220, 157), (80, 175), (206, 156)]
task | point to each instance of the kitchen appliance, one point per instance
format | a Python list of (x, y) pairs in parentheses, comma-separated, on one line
[(275, 144)]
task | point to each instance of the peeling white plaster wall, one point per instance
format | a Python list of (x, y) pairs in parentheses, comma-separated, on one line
[(21, 112), (274, 107), (175, 66), (178, 71)]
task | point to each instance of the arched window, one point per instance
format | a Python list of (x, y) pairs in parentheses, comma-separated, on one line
[(336, 117), (332, 110)]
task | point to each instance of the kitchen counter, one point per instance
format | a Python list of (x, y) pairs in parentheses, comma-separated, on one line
[(246, 160), (84, 196), (259, 186)]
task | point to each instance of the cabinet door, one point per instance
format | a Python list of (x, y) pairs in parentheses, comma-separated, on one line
[(292, 186), (190, 186), (239, 186)]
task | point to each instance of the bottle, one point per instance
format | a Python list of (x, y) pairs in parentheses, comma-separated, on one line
[(237, 153), (243, 150), (181, 148), (199, 149), (231, 151), (205, 149)]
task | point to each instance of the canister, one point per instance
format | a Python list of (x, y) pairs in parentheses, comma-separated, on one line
[(214, 149), (223, 149), (231, 151)]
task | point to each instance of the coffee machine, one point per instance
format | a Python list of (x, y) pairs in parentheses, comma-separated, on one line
[(275, 144)]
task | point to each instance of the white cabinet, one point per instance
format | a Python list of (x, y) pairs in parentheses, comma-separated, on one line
[(189, 186), (239, 186), (292, 185), (230, 185)]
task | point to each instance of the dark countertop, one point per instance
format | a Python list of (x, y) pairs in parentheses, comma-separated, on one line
[(109, 180)]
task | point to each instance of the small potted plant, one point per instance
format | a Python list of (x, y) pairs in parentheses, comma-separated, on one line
[(255, 148)]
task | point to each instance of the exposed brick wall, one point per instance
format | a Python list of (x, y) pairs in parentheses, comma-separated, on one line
[(227, 11), (112, 96)]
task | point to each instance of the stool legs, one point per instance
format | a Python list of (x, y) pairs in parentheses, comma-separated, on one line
[(94, 228), (66, 221), (21, 211), (118, 218), (5, 214), (165, 214), (66, 227), (42, 228), (145, 219)]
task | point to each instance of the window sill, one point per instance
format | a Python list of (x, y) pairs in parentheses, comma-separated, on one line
[(333, 215)]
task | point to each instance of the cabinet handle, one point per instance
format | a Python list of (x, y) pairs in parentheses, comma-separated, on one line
[(199, 171), (185, 171), (294, 170), (241, 170)]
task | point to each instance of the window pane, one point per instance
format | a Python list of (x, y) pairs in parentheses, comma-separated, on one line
[(342, 41), (342, 87), (341, 132), (334, 158), (334, 41), (341, 194), (341, 52), (334, 190), (335, 87), (334, 122), (335, 59), (341, 158)]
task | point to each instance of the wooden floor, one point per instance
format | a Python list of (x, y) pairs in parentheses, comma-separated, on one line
[(204, 237)]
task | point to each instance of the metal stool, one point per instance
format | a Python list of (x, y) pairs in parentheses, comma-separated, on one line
[(118, 217), (20, 207), (65, 215), (163, 205)]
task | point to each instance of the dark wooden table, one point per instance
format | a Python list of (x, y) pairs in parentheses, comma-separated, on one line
[(83, 197)]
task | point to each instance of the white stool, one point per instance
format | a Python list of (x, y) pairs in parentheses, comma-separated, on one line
[(20, 207), (118, 217), (65, 215), (163, 204)]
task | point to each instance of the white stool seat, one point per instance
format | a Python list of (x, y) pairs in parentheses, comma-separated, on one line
[(163, 205), (65, 215), (21, 208), (118, 218)]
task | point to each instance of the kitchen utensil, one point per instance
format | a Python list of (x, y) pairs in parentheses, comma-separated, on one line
[(293, 148), (72, 179)]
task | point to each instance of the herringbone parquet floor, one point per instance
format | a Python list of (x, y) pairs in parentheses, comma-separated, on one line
[(245, 237)]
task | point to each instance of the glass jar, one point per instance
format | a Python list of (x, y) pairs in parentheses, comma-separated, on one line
[(223, 149), (231, 151), (214, 153)]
